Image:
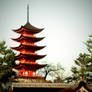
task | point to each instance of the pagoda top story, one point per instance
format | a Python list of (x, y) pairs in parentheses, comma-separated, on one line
[(28, 25)]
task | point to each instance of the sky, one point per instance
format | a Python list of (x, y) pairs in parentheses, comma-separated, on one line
[(66, 23)]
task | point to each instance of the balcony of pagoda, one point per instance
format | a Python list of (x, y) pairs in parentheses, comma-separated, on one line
[(28, 52), (28, 43), (29, 35), (27, 61), (18, 62), (25, 73)]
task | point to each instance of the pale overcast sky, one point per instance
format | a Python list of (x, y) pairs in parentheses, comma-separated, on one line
[(67, 25)]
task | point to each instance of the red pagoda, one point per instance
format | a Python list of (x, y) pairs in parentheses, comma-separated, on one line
[(27, 57)]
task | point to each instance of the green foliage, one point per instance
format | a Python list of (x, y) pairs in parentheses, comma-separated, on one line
[(82, 60), (7, 58), (83, 70), (89, 44)]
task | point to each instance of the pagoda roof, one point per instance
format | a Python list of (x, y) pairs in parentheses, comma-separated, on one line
[(31, 27), (28, 39), (29, 57), (29, 66), (28, 47), (28, 29), (22, 30)]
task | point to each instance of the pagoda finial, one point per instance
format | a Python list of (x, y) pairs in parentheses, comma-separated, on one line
[(28, 13)]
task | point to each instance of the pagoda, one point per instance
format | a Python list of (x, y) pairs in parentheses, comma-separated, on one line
[(27, 65)]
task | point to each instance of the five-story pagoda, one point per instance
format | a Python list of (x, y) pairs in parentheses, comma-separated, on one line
[(27, 57)]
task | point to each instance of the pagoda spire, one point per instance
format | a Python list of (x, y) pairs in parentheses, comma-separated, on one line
[(28, 13)]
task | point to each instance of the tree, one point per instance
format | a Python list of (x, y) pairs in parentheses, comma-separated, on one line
[(74, 77), (88, 43), (81, 71), (7, 59), (84, 65), (89, 47), (82, 62), (53, 71)]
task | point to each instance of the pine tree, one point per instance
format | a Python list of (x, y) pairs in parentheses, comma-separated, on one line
[(89, 47), (82, 70), (7, 58), (88, 43), (84, 65)]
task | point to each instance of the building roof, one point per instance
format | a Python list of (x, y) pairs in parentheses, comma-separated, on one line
[(23, 30), (29, 57), (82, 86), (28, 39), (31, 27), (64, 87), (29, 66), (28, 47), (79, 87)]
